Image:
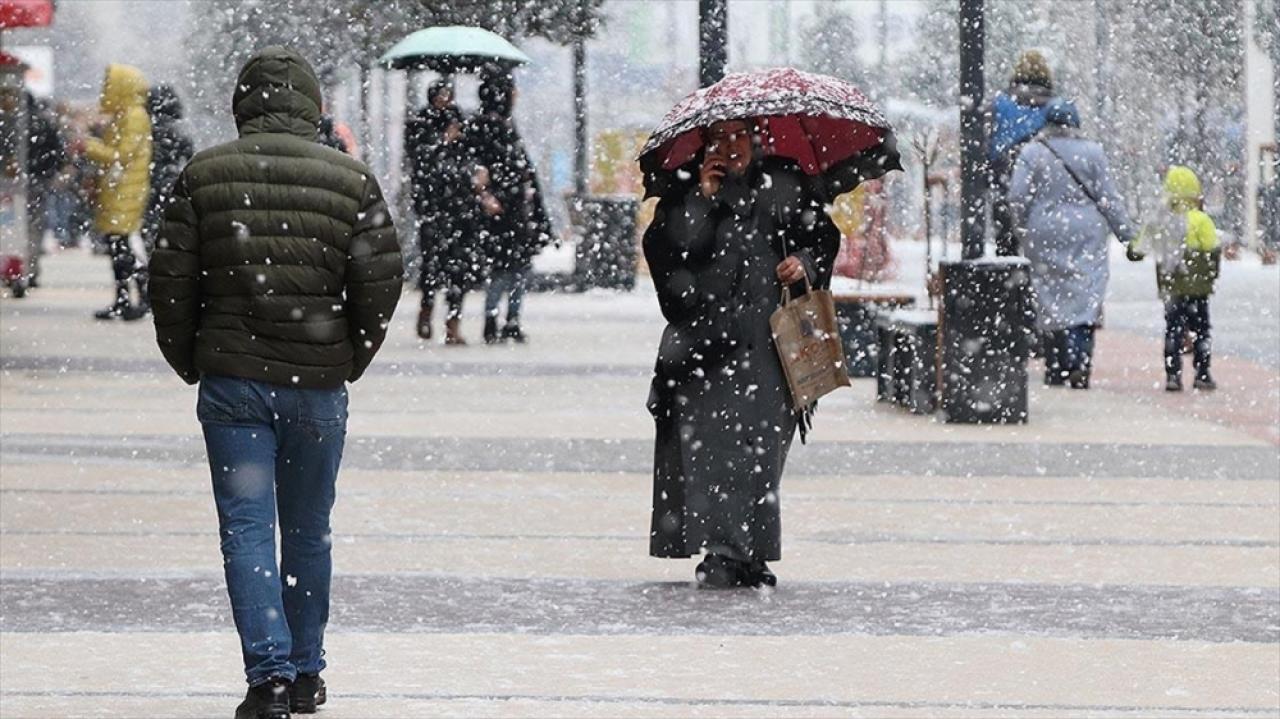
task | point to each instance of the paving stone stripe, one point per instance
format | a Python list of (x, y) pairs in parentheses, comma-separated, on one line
[(792, 498), (871, 458), (412, 603), (693, 703), (402, 368), (837, 538)]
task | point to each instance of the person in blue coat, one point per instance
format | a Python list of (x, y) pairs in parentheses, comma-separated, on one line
[(1017, 113)]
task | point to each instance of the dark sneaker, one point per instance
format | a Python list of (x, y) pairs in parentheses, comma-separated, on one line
[(490, 330), (1173, 384), (266, 701), (511, 331), (720, 572), (306, 694), (1205, 383)]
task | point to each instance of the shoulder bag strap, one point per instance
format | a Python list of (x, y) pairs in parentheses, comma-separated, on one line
[(1087, 192)]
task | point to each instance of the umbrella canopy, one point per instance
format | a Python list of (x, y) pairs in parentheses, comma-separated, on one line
[(452, 48), (25, 13), (816, 120)]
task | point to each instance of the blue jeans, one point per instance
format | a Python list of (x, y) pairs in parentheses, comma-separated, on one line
[(509, 282), (274, 453)]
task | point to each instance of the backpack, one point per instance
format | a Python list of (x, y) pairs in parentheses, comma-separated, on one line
[(1014, 125)]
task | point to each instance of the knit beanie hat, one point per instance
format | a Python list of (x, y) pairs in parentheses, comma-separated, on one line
[(1033, 69)]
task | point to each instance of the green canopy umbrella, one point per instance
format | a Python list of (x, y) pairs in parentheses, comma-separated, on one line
[(452, 48)]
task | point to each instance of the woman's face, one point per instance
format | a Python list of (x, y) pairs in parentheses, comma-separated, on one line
[(729, 141)]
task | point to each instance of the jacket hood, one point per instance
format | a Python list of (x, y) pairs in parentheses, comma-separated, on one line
[(1182, 187), (1062, 113), (163, 104), (123, 88), (277, 92)]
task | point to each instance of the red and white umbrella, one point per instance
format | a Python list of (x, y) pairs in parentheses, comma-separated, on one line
[(816, 120), (25, 13)]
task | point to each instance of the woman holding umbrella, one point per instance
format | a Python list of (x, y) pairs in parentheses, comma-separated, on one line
[(744, 170)]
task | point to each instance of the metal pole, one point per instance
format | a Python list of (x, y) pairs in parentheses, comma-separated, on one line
[(973, 224), (580, 116), (713, 40), (366, 103), (883, 32)]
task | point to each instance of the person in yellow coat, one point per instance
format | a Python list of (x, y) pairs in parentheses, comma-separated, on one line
[(1188, 260), (123, 158)]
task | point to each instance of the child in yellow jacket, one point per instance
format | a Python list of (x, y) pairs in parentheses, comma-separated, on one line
[(1188, 259), (123, 158)]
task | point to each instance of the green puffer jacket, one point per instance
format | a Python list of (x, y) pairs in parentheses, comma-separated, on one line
[(277, 260)]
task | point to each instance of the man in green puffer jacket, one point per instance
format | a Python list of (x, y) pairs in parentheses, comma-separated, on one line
[(274, 277), (1188, 261)]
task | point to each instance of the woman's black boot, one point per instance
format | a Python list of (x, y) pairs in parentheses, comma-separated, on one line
[(717, 571), (761, 576)]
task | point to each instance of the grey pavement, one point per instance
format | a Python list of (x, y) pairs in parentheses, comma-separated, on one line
[(1119, 555)]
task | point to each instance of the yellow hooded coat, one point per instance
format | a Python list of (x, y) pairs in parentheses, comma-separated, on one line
[(1183, 239), (123, 155)]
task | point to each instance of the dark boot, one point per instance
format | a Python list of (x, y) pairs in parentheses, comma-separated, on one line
[(490, 330), (511, 331), (717, 571), (118, 308), (453, 332), (1205, 382), (759, 575), (1173, 383), (306, 694), (1079, 379), (132, 313), (266, 701), (424, 322)]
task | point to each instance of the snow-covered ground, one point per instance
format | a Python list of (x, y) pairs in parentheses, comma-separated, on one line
[(1119, 555)]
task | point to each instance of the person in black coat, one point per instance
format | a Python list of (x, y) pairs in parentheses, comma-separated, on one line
[(515, 219), (171, 150), (442, 169), (45, 156), (720, 249)]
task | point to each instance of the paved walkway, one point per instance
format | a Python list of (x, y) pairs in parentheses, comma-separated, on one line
[(1118, 556)]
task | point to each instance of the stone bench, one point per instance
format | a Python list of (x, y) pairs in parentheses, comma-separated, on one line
[(857, 312), (907, 359)]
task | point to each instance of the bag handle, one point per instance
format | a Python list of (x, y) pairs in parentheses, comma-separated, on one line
[(786, 289)]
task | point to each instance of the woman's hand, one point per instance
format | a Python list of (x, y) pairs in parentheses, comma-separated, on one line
[(791, 270), (710, 175), (490, 204)]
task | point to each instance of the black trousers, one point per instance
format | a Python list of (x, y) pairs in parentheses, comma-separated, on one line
[(125, 267), (1183, 315), (1067, 351)]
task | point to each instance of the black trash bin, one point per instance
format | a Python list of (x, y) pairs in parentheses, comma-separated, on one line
[(606, 230)]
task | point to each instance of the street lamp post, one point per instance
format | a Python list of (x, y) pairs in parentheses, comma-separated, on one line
[(972, 163), (982, 327), (580, 115), (713, 40)]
